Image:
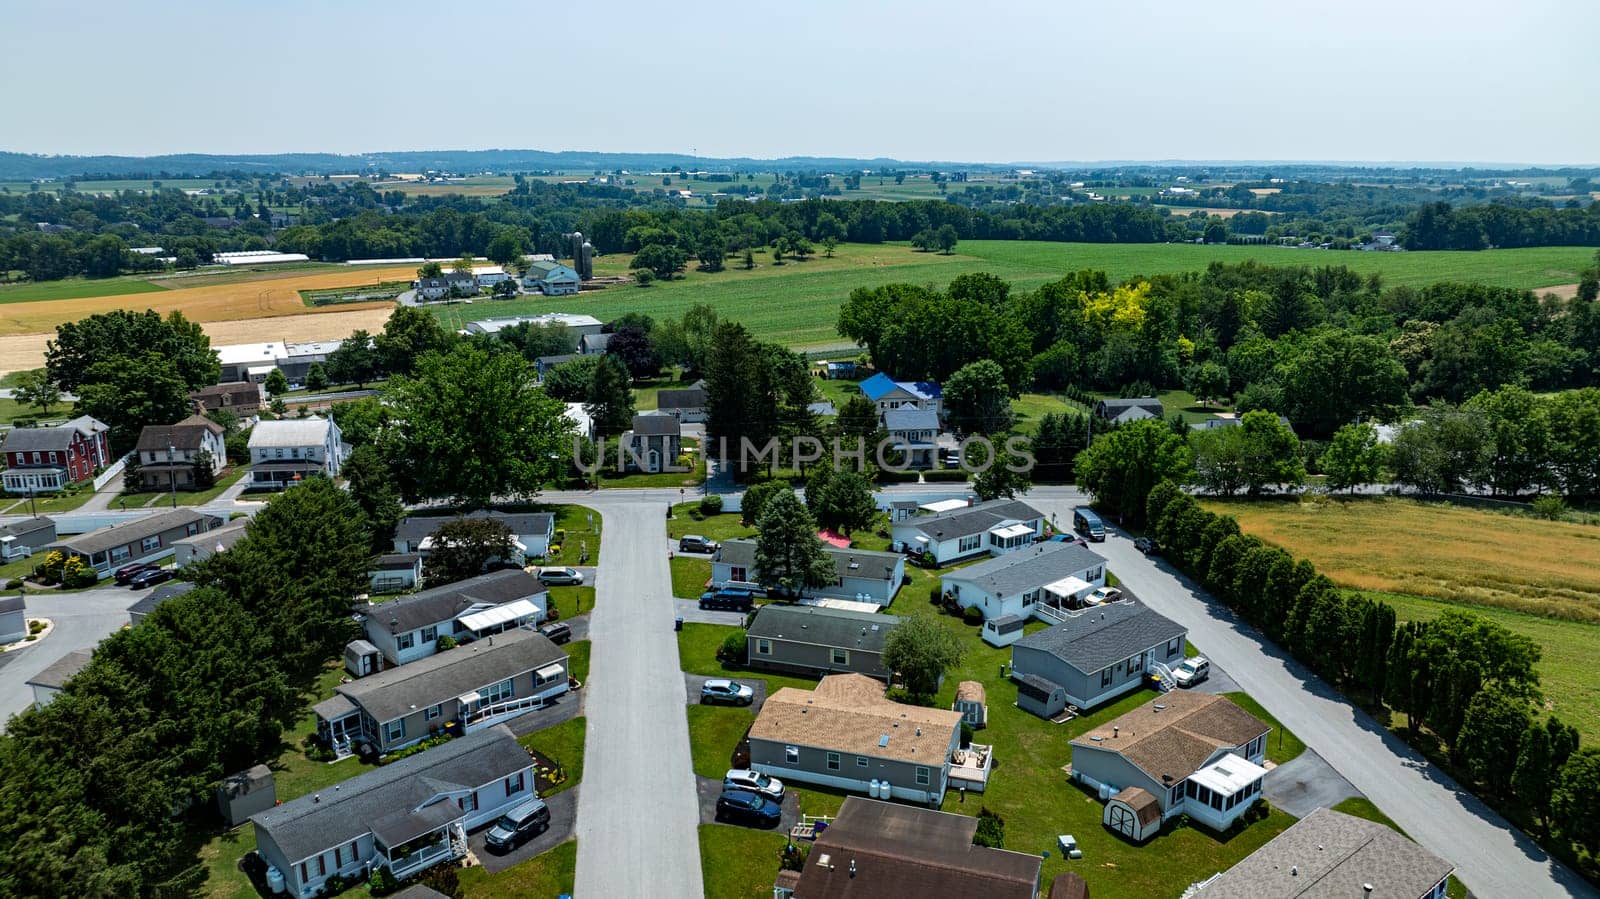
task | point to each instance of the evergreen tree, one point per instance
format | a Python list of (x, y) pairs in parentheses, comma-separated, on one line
[(373, 488), (610, 397), (789, 557)]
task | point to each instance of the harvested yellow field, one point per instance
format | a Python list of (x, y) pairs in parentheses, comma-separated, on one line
[(1437, 550), (268, 296)]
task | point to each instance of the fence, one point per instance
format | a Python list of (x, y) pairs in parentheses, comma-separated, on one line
[(114, 471)]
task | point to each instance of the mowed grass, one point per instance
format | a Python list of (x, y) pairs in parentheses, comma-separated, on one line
[(269, 295), (739, 862), (1566, 660), (1437, 550), (73, 288), (798, 303)]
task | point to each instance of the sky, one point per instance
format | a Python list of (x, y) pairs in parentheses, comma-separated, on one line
[(1057, 80)]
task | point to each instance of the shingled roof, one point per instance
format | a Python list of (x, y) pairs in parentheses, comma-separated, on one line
[(445, 602), (970, 520), (1028, 568), (1105, 635), (849, 713), (397, 692), (847, 562), (823, 627), (1327, 854), (1174, 735)]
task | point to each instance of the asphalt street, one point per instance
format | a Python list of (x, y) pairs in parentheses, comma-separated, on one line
[(638, 808), (1492, 857), (82, 620)]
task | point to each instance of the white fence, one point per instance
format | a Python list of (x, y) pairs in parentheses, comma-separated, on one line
[(115, 471)]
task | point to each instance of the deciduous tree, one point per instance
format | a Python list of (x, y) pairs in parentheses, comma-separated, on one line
[(921, 650), (464, 547)]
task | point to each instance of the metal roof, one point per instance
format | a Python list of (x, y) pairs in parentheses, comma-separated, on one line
[(290, 432)]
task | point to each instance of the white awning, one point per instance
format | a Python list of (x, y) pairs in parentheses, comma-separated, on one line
[(260, 369), (1229, 774), (943, 505), (1070, 587), (468, 698), (1013, 531), (502, 614), (550, 672)]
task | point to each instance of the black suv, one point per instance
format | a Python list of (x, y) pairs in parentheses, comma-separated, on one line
[(728, 599)]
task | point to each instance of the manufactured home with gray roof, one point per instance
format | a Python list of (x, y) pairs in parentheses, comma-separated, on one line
[(815, 641), (995, 527), (1097, 654), (859, 575), (140, 540), (408, 628), (1038, 581)]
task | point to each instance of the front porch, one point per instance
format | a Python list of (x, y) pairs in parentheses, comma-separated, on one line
[(278, 475), (413, 841), (36, 480), (1218, 794)]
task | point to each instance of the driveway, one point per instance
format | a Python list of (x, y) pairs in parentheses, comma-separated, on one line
[(693, 682), (82, 620), (689, 610), (1491, 856), (563, 822), (1304, 784), (639, 817), (710, 789)]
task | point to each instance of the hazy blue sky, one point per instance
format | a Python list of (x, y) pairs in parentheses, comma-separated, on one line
[(1452, 80)]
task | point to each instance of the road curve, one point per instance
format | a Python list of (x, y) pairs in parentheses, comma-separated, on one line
[(1493, 858)]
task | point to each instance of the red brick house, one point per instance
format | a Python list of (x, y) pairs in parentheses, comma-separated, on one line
[(44, 460)]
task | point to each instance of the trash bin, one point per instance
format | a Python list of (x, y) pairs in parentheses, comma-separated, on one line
[(677, 624)]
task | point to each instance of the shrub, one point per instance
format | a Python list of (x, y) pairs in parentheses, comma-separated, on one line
[(732, 651), (885, 476), (794, 857), (991, 830), (35, 626), (49, 571), (966, 735), (935, 593), (711, 504), (560, 535), (445, 642), (948, 474), (14, 583), (643, 277), (381, 883), (972, 615), (1550, 508)]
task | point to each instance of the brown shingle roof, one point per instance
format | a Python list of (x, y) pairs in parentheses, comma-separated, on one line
[(1069, 886), (849, 712), (1330, 854), (900, 850), (1174, 735), (972, 691), (1143, 804), (185, 435)]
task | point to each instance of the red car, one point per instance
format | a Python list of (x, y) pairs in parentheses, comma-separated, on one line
[(128, 572)]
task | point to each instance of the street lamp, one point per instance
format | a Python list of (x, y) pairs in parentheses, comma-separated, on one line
[(172, 474)]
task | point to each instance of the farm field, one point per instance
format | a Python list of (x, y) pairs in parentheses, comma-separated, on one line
[(75, 288), (798, 303), (1438, 551)]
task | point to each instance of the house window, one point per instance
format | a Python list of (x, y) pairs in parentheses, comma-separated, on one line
[(1176, 795), (406, 640), (970, 544), (1094, 574), (118, 553), (433, 712), (355, 852), (430, 633), (338, 857), (192, 528), (322, 865), (833, 761), (1031, 597), (738, 574), (36, 458), (150, 544), (861, 761), (841, 657), (791, 755), (1105, 678), (469, 802), (304, 874), (394, 730), (514, 784), (499, 692), (922, 777), (764, 647), (1172, 646), (1135, 663)]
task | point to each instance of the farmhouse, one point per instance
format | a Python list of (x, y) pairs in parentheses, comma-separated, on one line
[(846, 735), (1122, 411), (489, 275), (450, 284), (1093, 656), (996, 527), (813, 641), (140, 540), (885, 849), (406, 816), (531, 532), (44, 460), (859, 575), (474, 687), (654, 442), (1042, 581), (287, 451), (551, 279), (915, 432), (242, 398), (409, 628), (203, 546), (1329, 853), (1195, 754), (890, 394), (171, 455)]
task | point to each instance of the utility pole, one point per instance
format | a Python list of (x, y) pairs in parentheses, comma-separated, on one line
[(172, 475)]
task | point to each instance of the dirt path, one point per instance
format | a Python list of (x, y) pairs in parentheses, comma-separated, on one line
[(24, 351)]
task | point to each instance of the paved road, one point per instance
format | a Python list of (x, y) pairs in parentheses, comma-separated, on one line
[(1492, 858), (638, 805), (82, 620)]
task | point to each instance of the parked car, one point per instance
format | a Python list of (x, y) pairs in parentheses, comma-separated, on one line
[(556, 577), (127, 572), (753, 782), (749, 807), (728, 599), (1189, 672), (150, 578), (524, 822), (1102, 595), (1069, 538), (1144, 545), (556, 631), (722, 690), (694, 543)]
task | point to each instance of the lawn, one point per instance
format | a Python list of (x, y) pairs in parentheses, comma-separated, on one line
[(798, 303), (697, 653), (563, 744), (1282, 744), (47, 505), (582, 525), (1437, 550), (688, 519), (714, 733), (578, 659), (644, 395), (185, 497), (572, 601), (550, 874), (1566, 665), (689, 576), (739, 862), (1030, 407)]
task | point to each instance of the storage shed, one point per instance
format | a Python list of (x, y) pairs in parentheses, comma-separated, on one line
[(1133, 813), (972, 702), (1041, 697), (1003, 631)]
